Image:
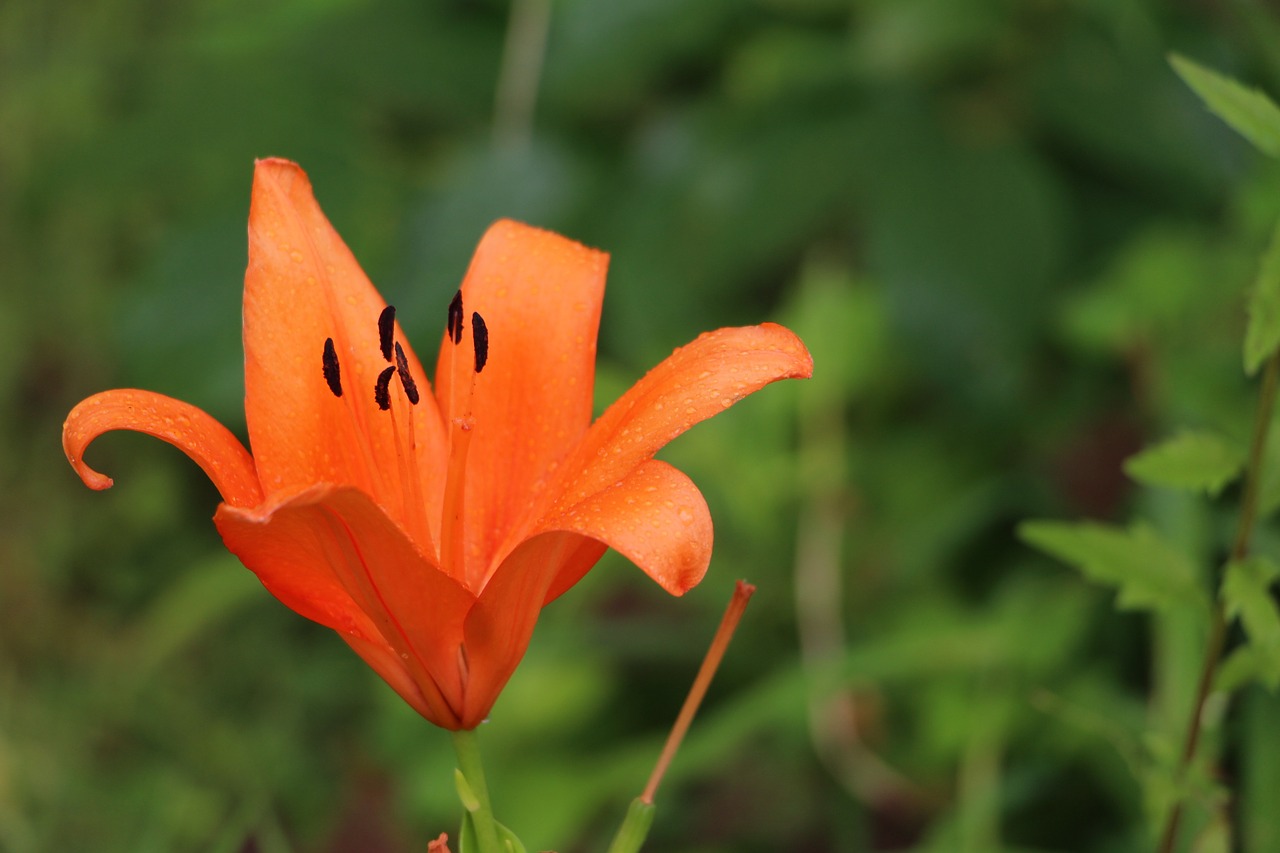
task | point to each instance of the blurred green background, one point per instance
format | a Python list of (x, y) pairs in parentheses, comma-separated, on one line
[(1016, 244)]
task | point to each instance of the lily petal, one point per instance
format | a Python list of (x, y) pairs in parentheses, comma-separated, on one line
[(655, 517), (209, 444), (383, 660), (499, 627), (334, 556), (303, 286), (540, 296), (695, 382)]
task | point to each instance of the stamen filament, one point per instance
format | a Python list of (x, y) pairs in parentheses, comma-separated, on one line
[(452, 539), (415, 509)]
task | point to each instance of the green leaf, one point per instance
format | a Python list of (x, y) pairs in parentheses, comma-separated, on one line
[(1147, 571), (1263, 334), (1192, 460), (1241, 667), (1249, 111), (1246, 593)]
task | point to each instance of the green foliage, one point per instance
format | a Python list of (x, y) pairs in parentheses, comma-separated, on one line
[(1015, 244), (1246, 594), (1250, 112), (1263, 334), (467, 842), (1192, 460), (1257, 118), (1147, 571)]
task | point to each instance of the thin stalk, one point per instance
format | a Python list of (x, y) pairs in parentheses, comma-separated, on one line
[(635, 827), (732, 615), (1239, 550), (468, 751)]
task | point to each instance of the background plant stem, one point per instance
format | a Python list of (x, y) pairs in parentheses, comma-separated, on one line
[(1239, 550)]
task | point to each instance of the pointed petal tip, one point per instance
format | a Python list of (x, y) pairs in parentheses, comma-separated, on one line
[(284, 176), (526, 239), (271, 166), (787, 341)]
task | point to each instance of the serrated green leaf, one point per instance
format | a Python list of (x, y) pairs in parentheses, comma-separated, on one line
[(1193, 460), (1246, 593), (1147, 571), (1263, 333), (1248, 111)]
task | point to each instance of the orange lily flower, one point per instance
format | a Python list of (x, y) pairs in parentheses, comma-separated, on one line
[(429, 528)]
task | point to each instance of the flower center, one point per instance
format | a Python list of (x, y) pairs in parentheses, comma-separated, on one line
[(406, 479), (386, 388)]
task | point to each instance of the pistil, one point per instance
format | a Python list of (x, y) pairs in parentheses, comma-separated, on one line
[(453, 556)]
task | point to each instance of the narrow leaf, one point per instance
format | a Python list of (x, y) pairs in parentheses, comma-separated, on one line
[(1246, 593), (1148, 572), (1248, 111), (1193, 460), (1263, 334)]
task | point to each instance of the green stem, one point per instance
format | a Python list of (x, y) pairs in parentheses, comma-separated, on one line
[(635, 827), (1239, 550), (468, 750)]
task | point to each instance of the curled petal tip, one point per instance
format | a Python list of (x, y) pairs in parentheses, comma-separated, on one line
[(91, 478), (209, 444), (76, 436)]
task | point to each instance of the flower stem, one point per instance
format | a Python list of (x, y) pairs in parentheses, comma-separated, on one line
[(468, 751), (1239, 550)]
